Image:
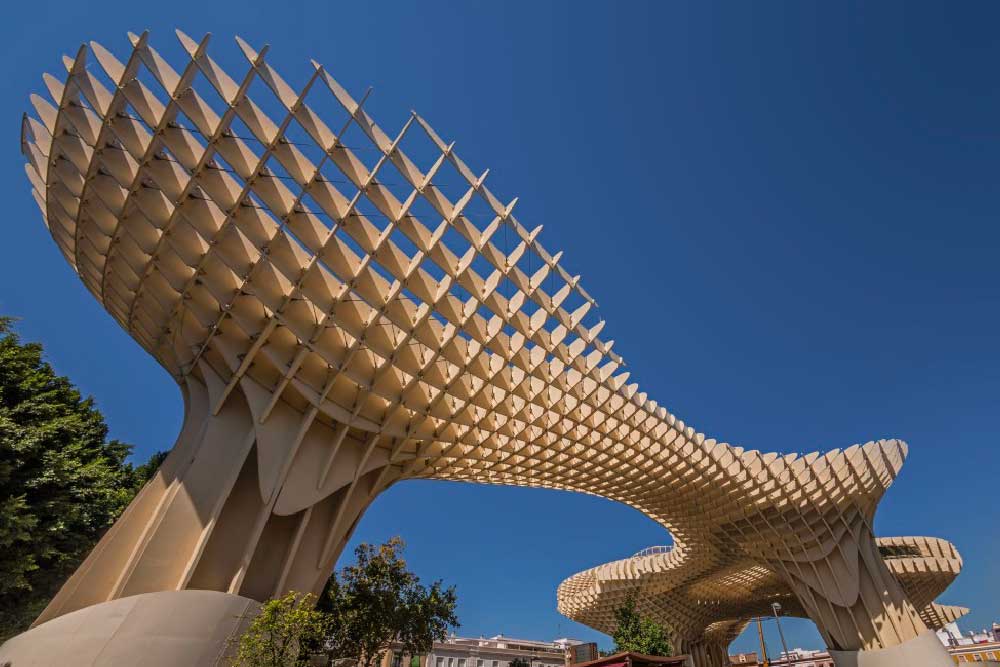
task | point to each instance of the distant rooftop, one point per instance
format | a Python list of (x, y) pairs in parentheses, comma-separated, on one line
[(501, 641)]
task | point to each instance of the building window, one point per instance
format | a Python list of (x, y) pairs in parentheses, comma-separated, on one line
[(439, 662), (496, 663), (461, 662), (451, 662), (480, 662)]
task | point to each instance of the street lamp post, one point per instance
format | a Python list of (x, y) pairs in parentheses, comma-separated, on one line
[(763, 646), (775, 607)]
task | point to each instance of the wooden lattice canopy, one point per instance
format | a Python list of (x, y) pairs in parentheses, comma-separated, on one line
[(344, 308)]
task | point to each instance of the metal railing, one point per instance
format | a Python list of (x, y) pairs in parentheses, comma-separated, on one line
[(650, 551)]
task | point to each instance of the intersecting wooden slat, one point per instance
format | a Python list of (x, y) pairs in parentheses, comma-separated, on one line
[(274, 264)]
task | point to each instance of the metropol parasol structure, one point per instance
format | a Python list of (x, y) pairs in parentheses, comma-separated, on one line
[(345, 307)]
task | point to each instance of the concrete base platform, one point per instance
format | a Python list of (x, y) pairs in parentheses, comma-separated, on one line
[(923, 651), (168, 629)]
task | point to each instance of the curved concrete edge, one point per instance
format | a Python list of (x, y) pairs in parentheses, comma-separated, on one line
[(925, 650), (166, 629)]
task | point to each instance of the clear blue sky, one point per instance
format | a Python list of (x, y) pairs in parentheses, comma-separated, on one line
[(788, 213)]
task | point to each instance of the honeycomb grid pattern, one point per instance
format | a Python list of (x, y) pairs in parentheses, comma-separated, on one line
[(339, 318)]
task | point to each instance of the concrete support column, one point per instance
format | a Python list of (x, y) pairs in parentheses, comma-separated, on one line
[(256, 499), (165, 629), (704, 653), (925, 650), (835, 571), (846, 588)]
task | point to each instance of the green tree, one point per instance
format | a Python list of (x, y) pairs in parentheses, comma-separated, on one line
[(519, 662), (637, 633), (286, 633), (377, 601), (62, 482), (144, 472)]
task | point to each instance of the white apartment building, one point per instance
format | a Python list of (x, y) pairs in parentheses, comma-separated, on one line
[(498, 651), (806, 658)]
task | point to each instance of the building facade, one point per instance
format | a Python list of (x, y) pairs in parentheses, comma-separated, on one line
[(795, 657), (983, 653), (497, 651), (805, 658), (981, 646)]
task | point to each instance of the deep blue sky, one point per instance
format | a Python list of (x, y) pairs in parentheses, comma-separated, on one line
[(788, 213)]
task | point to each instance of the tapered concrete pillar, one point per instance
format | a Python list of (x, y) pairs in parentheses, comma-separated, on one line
[(704, 653), (843, 585), (925, 650), (166, 629), (246, 504)]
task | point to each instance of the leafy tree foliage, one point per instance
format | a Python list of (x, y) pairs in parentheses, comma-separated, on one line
[(286, 633), (377, 601), (637, 633), (519, 662), (62, 483), (144, 472)]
